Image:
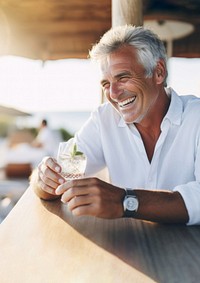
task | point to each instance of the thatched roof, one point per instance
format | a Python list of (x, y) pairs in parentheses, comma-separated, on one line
[(9, 111), (46, 29)]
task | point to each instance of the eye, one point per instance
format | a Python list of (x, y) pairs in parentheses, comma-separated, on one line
[(105, 85), (123, 78)]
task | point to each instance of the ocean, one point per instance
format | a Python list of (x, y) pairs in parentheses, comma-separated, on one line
[(70, 121)]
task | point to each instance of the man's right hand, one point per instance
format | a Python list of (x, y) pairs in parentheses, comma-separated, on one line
[(46, 178)]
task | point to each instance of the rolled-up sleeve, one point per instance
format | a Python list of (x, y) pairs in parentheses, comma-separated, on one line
[(190, 193)]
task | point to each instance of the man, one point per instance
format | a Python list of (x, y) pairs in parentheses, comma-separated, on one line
[(45, 139), (146, 135)]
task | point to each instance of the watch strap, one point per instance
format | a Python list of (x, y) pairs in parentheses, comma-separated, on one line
[(129, 213)]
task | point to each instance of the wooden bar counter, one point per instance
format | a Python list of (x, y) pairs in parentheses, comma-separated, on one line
[(40, 241)]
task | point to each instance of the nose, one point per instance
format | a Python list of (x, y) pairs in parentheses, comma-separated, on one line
[(115, 90)]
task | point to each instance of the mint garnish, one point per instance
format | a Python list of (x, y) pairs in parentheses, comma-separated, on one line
[(74, 151)]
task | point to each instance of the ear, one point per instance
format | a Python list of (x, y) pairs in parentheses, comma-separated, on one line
[(160, 72)]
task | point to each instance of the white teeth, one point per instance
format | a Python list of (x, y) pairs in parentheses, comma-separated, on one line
[(126, 102)]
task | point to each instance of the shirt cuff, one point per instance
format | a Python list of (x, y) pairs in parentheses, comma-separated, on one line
[(190, 193)]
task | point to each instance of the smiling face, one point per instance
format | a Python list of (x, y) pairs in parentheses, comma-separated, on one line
[(124, 83)]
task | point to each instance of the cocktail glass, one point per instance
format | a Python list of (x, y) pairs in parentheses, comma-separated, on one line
[(72, 162)]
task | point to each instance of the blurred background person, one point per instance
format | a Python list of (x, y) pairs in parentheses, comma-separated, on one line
[(45, 143), (45, 139)]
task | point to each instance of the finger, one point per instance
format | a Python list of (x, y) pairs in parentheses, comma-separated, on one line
[(62, 188), (49, 181), (51, 163), (48, 175), (78, 183), (69, 193), (69, 184), (79, 201), (84, 210), (93, 209), (47, 188)]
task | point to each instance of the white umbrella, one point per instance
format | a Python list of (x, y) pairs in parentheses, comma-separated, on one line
[(8, 111), (169, 30)]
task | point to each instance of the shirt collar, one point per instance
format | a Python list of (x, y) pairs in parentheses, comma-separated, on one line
[(121, 123), (174, 113)]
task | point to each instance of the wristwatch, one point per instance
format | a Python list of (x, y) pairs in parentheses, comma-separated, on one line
[(130, 203)]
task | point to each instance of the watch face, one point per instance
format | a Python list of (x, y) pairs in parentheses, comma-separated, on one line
[(131, 203)]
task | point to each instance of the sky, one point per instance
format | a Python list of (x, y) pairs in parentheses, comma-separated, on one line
[(73, 84), (62, 85)]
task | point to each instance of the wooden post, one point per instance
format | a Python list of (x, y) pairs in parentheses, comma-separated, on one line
[(127, 12)]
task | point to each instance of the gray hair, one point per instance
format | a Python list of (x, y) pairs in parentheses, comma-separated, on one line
[(150, 49)]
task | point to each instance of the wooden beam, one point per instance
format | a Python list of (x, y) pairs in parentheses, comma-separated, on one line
[(127, 12)]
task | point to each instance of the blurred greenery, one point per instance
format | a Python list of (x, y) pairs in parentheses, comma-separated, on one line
[(3, 129), (33, 131), (6, 129), (6, 124), (65, 134)]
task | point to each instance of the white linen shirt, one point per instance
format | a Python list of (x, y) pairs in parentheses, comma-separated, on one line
[(46, 138), (109, 142)]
